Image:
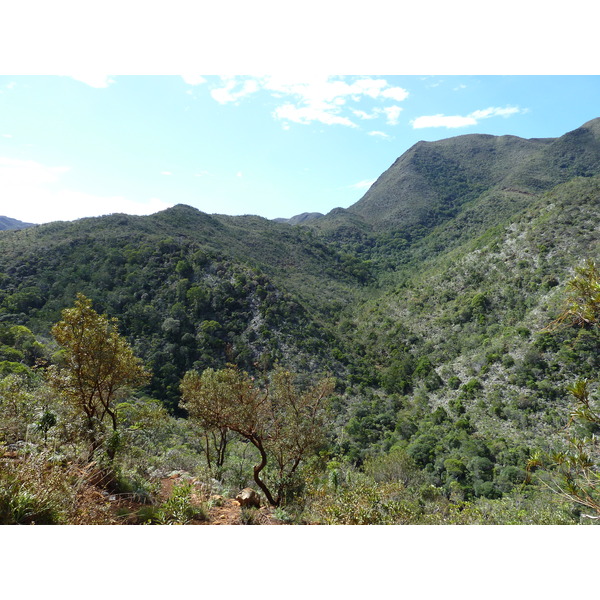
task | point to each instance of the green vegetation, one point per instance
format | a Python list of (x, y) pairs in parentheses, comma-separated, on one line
[(427, 356), (283, 423)]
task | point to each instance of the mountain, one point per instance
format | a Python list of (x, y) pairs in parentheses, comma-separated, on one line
[(299, 219), (468, 183), (428, 300), (8, 223), (433, 181), (189, 288)]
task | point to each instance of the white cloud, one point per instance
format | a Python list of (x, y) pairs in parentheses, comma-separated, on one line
[(166, 173), (323, 113), (442, 121), (362, 185), (493, 111), (392, 113), (227, 94), (8, 86), (7, 135), (378, 134), (14, 172), (33, 194), (361, 114), (193, 79), (321, 99), (395, 93), (95, 80), (455, 121)]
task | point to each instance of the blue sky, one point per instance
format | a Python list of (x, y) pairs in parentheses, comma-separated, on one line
[(274, 146)]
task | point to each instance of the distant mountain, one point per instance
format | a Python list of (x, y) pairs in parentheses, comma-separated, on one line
[(299, 219), (430, 182), (8, 223), (457, 187)]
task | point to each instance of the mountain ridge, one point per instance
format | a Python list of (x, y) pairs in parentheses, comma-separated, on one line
[(7, 223)]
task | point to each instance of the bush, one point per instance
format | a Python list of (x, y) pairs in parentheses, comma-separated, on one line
[(249, 515), (397, 466), (179, 509)]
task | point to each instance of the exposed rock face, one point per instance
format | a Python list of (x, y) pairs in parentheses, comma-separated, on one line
[(248, 497)]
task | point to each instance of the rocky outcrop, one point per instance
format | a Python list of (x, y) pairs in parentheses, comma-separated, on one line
[(248, 497)]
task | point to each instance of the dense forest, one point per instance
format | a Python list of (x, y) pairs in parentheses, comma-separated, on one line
[(426, 356)]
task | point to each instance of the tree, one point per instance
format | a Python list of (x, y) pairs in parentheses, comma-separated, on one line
[(99, 368), (282, 422), (579, 465), (583, 298)]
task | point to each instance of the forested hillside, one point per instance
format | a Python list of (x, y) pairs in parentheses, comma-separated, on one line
[(410, 339)]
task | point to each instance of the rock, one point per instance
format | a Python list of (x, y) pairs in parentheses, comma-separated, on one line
[(248, 497)]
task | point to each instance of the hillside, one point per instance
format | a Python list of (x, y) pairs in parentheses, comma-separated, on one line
[(8, 223), (216, 288), (428, 301)]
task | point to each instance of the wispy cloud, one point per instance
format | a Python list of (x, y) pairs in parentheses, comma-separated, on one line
[(95, 80), (322, 113), (234, 90), (362, 185), (456, 121), (492, 111), (193, 79), (39, 196), (321, 99), (450, 122), (378, 134), (166, 173), (392, 113), (15, 172), (361, 114)]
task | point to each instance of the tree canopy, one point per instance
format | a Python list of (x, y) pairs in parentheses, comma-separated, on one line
[(98, 365), (283, 422)]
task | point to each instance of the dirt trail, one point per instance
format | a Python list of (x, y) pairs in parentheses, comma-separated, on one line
[(223, 511)]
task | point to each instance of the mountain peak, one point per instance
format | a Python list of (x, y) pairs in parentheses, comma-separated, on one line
[(593, 125)]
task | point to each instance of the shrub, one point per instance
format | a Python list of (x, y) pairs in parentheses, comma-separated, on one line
[(179, 509), (249, 515)]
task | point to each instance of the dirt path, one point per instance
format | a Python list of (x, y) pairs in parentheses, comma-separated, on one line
[(223, 511)]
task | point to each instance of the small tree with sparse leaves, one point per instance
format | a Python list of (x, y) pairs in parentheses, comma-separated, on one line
[(283, 422)]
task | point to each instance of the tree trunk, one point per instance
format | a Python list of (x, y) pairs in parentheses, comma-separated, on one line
[(258, 468)]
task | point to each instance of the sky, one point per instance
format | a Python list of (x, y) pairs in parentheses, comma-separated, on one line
[(89, 144)]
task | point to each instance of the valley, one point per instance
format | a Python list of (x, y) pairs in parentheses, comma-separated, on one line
[(429, 304)]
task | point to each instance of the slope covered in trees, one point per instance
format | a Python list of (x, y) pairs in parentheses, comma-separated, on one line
[(428, 302)]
